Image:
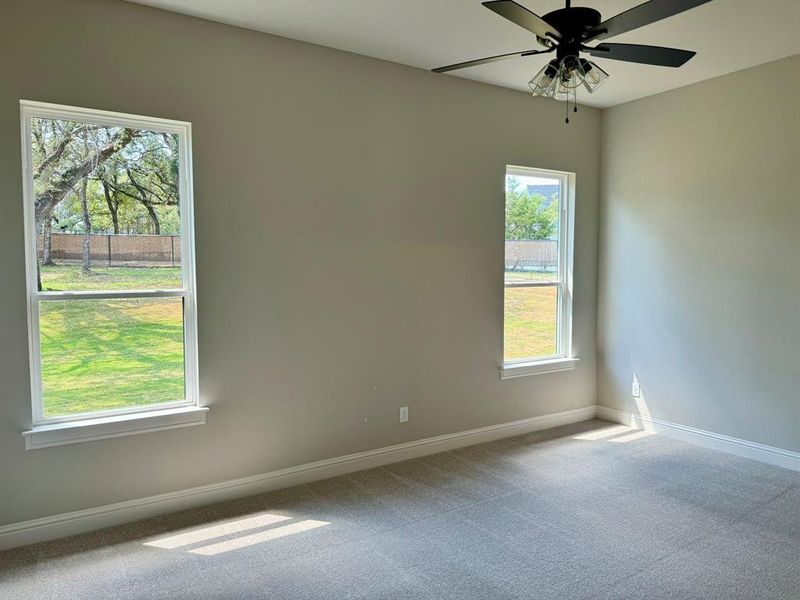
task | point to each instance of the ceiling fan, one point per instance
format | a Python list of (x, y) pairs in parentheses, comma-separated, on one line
[(567, 30)]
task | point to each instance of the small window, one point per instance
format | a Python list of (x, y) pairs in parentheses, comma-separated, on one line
[(110, 262), (538, 265)]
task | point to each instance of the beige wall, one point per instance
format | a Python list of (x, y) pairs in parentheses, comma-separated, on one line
[(349, 246), (700, 255)]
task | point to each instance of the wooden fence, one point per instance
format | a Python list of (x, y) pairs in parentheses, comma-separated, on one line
[(531, 255), (165, 250), (116, 249)]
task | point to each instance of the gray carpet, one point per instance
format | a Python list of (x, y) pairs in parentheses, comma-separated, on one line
[(587, 511)]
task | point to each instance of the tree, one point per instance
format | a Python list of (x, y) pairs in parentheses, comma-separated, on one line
[(146, 172), (101, 179), (529, 216), (64, 154), (84, 163), (112, 201), (87, 226), (47, 245)]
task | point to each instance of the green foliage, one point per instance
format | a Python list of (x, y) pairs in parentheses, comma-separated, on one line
[(137, 184), (529, 216)]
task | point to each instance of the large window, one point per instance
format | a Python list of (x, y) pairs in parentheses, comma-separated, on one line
[(110, 263), (538, 267)]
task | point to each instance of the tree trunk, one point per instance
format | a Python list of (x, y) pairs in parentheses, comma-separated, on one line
[(87, 227), (113, 207), (153, 217), (143, 199), (47, 245)]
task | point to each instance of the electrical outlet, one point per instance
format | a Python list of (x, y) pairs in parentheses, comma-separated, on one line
[(404, 414), (636, 390)]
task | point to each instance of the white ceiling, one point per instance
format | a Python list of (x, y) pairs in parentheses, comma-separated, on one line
[(728, 35)]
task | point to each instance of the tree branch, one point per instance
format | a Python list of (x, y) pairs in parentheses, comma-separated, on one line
[(48, 199), (58, 152)]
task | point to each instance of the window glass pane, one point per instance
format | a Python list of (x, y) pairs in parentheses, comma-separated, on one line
[(532, 228), (107, 206), (110, 354), (531, 322)]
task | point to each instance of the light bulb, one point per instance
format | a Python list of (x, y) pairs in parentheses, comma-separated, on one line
[(570, 72), (543, 82), (593, 76)]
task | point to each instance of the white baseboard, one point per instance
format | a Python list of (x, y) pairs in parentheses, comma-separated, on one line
[(82, 521), (708, 439)]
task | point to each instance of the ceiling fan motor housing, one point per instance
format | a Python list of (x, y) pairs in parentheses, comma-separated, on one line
[(572, 23)]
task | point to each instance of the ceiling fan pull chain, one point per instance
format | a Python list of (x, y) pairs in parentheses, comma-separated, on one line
[(574, 104)]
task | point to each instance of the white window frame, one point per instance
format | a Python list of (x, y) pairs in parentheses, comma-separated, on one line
[(187, 410), (563, 359)]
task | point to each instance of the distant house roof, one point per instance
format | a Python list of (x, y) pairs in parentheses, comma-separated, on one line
[(548, 191)]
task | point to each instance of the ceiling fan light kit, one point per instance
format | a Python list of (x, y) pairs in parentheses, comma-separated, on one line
[(560, 79), (567, 30)]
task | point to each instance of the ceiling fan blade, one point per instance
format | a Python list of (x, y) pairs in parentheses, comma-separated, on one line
[(521, 16), (483, 61), (641, 15), (646, 55)]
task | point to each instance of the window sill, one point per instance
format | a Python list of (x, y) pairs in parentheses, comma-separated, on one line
[(58, 434), (537, 367)]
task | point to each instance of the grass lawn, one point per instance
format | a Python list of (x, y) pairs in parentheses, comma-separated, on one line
[(69, 278), (530, 322), (530, 276), (110, 354)]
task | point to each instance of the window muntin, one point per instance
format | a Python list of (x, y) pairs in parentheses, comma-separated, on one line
[(110, 262), (537, 298)]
